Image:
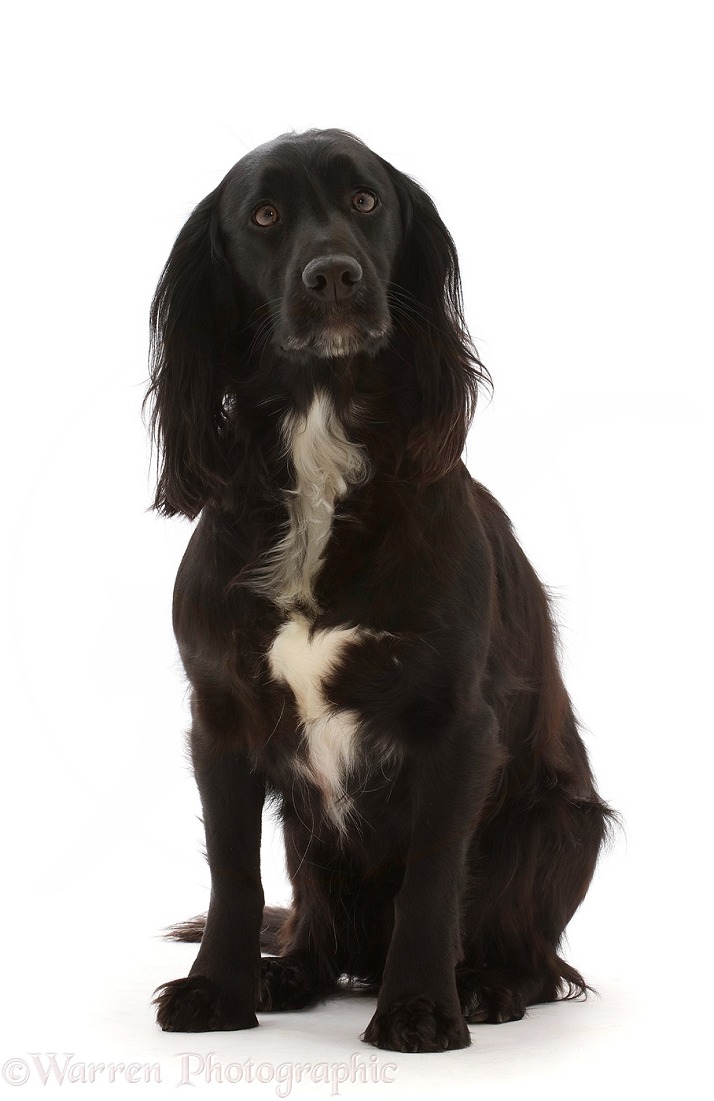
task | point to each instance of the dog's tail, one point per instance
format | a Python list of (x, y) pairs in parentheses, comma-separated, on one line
[(274, 917)]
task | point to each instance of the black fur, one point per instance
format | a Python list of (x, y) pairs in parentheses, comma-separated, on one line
[(476, 824)]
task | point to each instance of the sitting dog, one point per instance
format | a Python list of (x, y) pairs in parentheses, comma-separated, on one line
[(366, 642)]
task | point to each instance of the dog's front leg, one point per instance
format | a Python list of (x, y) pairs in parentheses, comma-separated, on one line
[(221, 990), (418, 1007)]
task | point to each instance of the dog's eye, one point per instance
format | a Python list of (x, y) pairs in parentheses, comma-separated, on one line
[(364, 201), (265, 215)]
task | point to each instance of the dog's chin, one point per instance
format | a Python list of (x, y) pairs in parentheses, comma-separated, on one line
[(337, 341)]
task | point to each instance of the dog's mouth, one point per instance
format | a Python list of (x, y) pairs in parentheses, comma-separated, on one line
[(338, 339)]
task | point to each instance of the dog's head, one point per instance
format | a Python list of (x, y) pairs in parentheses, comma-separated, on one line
[(312, 255), (311, 226)]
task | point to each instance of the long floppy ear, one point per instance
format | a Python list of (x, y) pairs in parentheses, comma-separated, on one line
[(188, 324), (425, 297)]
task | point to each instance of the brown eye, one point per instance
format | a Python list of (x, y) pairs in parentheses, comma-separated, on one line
[(364, 201), (265, 215)]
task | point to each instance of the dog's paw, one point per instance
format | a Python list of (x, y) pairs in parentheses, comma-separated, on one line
[(287, 983), (417, 1024), (494, 996), (198, 1004), (494, 1007)]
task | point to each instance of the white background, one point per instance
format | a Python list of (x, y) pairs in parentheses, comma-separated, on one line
[(569, 149)]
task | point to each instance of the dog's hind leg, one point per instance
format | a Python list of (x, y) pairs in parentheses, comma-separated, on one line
[(340, 926), (309, 958), (530, 865)]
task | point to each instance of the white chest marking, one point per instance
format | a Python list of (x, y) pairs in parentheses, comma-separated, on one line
[(331, 735), (326, 464)]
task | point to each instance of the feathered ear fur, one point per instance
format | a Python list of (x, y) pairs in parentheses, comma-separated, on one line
[(425, 297), (188, 375)]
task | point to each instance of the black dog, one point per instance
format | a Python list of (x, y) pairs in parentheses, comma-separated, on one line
[(366, 642)]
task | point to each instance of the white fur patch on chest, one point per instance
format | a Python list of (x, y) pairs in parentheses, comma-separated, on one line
[(326, 464), (304, 663)]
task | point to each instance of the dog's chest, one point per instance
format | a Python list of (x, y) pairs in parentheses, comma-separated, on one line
[(305, 664), (325, 464)]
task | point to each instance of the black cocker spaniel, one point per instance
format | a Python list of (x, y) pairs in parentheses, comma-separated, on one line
[(366, 642)]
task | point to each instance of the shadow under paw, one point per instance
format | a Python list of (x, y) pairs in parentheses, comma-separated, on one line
[(198, 1004), (417, 1024)]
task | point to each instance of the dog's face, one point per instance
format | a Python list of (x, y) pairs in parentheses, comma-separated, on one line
[(313, 263), (312, 226)]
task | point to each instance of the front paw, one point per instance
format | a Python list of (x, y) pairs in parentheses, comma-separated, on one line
[(417, 1024), (198, 1004)]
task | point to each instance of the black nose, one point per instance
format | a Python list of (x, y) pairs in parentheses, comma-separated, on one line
[(332, 278)]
